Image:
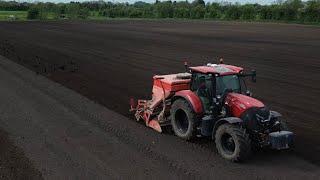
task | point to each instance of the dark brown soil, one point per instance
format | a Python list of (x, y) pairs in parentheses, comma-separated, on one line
[(13, 163), (109, 62)]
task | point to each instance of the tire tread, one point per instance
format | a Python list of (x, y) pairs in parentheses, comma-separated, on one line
[(241, 136)]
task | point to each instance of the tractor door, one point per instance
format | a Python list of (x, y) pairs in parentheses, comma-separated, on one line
[(202, 85)]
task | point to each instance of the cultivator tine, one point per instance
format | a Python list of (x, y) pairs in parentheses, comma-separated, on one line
[(155, 125)]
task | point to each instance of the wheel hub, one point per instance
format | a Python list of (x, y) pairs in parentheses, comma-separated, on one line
[(182, 121), (228, 143)]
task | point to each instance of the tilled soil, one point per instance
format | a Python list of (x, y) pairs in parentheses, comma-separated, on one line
[(67, 136), (109, 62), (13, 162)]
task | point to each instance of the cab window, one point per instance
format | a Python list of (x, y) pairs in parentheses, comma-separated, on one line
[(202, 85)]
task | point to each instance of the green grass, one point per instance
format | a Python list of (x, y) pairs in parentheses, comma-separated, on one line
[(49, 16), (22, 16), (17, 15)]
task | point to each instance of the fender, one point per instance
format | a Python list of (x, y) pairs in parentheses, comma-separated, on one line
[(229, 120), (192, 98)]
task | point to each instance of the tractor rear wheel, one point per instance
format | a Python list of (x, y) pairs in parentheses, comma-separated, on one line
[(232, 142), (183, 119)]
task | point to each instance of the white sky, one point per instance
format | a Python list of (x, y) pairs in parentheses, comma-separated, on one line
[(150, 1)]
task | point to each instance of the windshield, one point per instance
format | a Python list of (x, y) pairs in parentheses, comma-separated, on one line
[(227, 82)]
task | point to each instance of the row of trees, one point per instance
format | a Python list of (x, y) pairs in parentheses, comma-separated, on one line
[(58, 11), (289, 10), (13, 6)]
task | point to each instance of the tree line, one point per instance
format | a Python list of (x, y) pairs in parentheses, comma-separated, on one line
[(289, 10)]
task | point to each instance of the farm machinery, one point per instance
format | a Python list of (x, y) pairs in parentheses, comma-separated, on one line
[(213, 101)]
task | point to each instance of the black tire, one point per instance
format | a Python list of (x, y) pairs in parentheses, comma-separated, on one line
[(233, 143), (284, 127), (183, 119)]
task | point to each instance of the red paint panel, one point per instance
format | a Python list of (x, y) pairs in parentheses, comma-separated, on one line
[(193, 99), (170, 87), (238, 103), (170, 82)]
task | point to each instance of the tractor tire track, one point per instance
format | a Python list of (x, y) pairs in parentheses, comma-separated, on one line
[(114, 129)]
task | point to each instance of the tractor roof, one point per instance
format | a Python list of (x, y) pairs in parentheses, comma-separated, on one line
[(221, 69)]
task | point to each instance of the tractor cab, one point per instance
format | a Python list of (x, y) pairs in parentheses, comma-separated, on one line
[(211, 83)]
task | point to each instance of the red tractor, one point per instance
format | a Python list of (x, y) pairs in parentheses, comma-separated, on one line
[(213, 101)]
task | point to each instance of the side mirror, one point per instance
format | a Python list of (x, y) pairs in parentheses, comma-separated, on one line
[(254, 76), (248, 93)]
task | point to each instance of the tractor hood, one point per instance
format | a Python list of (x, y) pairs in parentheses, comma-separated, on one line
[(238, 103)]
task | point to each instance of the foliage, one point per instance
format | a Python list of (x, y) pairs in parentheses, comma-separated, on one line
[(33, 13), (289, 10)]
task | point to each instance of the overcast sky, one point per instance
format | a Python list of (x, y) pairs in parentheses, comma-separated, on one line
[(131, 1)]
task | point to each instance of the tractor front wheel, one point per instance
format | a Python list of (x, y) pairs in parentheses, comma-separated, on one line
[(232, 142), (183, 119)]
